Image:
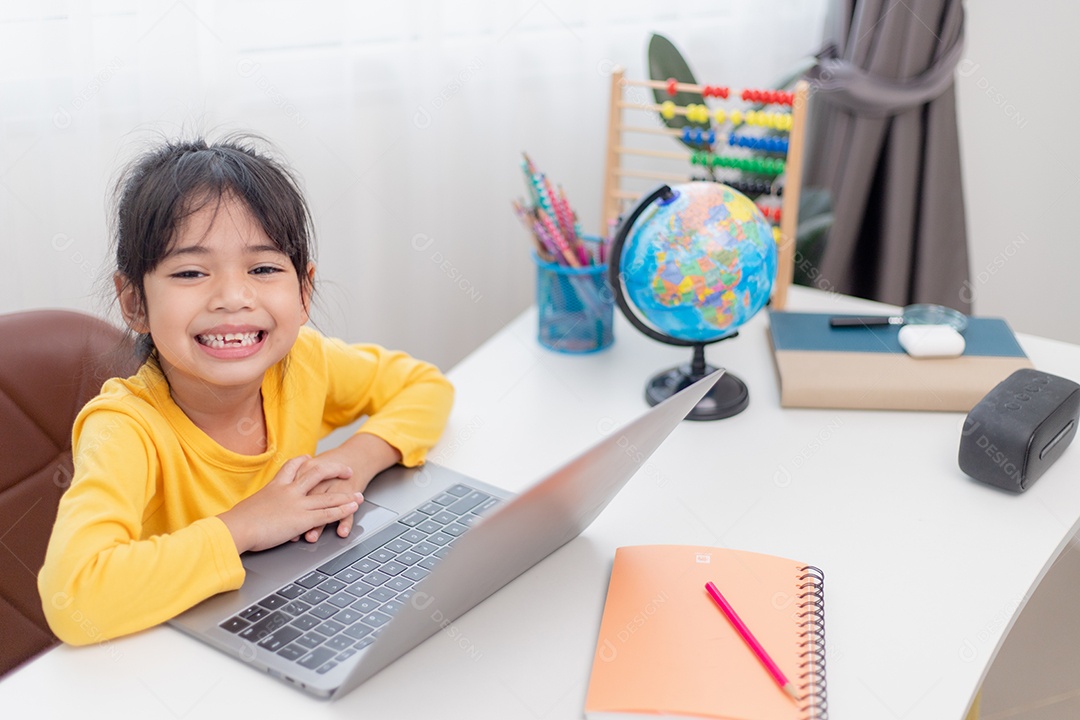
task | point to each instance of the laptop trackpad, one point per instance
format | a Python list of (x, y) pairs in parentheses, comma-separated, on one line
[(294, 557)]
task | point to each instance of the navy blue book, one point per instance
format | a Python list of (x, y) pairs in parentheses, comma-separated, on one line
[(865, 367)]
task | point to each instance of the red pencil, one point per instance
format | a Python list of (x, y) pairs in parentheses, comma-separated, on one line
[(748, 637)]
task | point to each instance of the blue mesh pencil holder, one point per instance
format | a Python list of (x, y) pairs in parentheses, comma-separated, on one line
[(575, 307)]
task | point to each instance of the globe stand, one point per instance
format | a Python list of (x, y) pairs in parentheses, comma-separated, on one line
[(727, 397)]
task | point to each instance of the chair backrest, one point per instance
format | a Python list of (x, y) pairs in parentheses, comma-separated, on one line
[(51, 363)]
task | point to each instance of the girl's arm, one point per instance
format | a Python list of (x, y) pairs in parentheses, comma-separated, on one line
[(99, 579), (103, 578), (407, 401)]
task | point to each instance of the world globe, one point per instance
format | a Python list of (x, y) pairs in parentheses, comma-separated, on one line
[(689, 265)]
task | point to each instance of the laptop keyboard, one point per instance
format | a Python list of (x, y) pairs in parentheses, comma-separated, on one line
[(331, 613)]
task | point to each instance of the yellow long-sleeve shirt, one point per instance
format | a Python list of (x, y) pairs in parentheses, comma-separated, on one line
[(137, 540)]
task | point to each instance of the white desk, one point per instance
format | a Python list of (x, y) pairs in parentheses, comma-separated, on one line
[(925, 568)]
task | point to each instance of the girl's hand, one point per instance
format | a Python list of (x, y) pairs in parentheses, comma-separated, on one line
[(286, 507), (342, 487), (367, 455)]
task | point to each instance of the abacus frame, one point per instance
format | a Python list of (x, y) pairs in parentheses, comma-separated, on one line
[(619, 144)]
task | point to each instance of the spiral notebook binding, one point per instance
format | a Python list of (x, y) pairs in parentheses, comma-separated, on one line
[(811, 680)]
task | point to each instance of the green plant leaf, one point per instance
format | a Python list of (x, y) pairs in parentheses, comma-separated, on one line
[(796, 72), (815, 220), (665, 62)]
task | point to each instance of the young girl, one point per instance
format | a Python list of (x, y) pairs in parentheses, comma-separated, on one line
[(208, 451)]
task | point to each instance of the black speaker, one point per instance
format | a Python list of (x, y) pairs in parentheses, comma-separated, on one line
[(1019, 429)]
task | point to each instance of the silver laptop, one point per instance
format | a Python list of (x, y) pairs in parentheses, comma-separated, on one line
[(427, 545)]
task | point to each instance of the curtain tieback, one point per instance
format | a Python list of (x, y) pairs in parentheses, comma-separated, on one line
[(863, 93)]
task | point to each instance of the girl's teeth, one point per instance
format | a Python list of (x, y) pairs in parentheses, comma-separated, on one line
[(230, 339)]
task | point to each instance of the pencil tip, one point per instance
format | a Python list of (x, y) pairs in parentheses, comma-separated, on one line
[(790, 690)]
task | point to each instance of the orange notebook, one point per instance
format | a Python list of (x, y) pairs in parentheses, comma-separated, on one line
[(664, 647)]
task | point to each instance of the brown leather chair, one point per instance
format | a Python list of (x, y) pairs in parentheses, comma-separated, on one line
[(51, 363)]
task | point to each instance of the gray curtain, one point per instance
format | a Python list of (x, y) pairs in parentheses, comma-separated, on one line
[(883, 141)]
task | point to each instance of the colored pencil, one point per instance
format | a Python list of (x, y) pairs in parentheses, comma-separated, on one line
[(748, 637), (552, 222)]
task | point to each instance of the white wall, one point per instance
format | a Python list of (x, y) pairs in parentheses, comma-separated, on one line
[(1017, 98), (406, 121)]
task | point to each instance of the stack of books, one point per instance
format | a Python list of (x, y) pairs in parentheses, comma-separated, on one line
[(865, 368)]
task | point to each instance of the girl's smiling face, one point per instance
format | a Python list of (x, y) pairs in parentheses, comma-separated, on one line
[(223, 305)]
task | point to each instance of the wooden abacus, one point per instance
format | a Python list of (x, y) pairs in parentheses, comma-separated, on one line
[(769, 166)]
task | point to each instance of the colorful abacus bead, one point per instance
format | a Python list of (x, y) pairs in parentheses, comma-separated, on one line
[(771, 214), (765, 166), (769, 144), (758, 166), (672, 88), (698, 136), (667, 110), (767, 97)]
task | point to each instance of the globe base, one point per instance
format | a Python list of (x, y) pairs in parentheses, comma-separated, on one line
[(726, 398)]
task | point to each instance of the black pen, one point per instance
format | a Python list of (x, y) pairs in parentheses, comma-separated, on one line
[(865, 321)]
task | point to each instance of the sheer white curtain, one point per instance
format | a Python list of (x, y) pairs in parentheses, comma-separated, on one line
[(406, 122)]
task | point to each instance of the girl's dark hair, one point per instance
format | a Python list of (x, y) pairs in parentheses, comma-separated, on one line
[(163, 187)]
